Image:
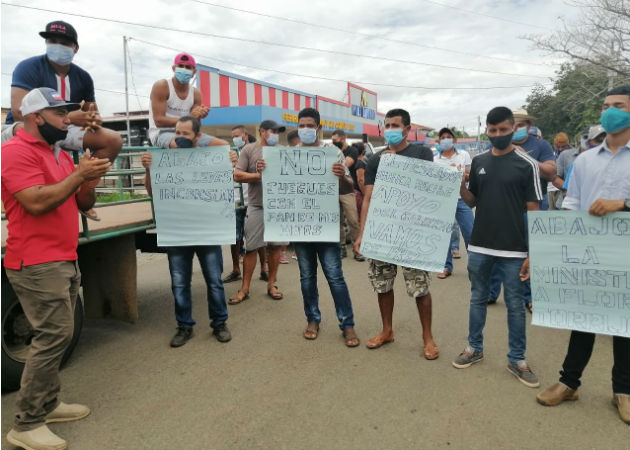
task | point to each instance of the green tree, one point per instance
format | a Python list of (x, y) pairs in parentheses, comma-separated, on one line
[(573, 102)]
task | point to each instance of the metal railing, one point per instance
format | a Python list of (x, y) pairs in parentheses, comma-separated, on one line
[(123, 175)]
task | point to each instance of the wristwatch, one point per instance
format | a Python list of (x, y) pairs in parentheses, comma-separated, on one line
[(626, 205)]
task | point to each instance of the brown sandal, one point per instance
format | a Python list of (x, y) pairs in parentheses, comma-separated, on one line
[(238, 298), (274, 293), (311, 331), (351, 337)]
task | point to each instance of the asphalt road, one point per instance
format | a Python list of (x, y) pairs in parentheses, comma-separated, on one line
[(271, 389)]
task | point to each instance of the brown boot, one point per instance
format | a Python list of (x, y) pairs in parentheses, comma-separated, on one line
[(556, 394), (622, 402)]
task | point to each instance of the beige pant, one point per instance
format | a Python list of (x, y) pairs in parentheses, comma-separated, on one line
[(47, 293), (348, 209)]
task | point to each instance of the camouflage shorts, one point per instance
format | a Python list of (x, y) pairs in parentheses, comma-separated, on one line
[(382, 276)]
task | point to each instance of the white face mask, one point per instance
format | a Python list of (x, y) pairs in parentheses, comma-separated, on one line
[(238, 142), (307, 135), (273, 139), (59, 54)]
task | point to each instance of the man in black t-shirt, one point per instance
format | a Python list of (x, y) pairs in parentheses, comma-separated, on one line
[(383, 274), (503, 184)]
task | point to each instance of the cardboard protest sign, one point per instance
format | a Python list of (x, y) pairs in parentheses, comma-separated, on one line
[(300, 194), (193, 196), (580, 271), (411, 213)]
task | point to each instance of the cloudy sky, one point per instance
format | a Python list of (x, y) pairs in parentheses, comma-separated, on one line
[(409, 44)]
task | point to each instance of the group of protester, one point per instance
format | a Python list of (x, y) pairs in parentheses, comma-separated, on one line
[(43, 191)]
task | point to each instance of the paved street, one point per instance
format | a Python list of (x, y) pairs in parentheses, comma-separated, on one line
[(270, 388)]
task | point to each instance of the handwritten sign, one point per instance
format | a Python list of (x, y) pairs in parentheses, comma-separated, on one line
[(193, 196), (300, 194), (580, 271), (411, 213)]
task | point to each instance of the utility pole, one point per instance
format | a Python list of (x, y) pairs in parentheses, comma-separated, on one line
[(126, 92)]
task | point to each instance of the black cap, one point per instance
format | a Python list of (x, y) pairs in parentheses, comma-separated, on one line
[(60, 28), (271, 125)]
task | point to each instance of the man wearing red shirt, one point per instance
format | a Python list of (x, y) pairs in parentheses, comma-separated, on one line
[(42, 192)]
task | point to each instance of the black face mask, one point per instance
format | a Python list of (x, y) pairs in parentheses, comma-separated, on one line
[(339, 145), (184, 142), (501, 142), (51, 134)]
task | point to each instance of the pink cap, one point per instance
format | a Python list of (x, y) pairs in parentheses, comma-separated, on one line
[(185, 58)]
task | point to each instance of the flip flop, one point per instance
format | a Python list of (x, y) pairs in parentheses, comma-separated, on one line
[(431, 352), (311, 332), (275, 295), (233, 276), (239, 299), (93, 216), (445, 274), (351, 338), (378, 341)]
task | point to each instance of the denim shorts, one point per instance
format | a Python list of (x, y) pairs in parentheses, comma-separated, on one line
[(240, 223)]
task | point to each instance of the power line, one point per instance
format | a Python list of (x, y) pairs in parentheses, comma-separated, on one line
[(96, 89), (313, 49), (365, 83), (358, 33), (477, 13)]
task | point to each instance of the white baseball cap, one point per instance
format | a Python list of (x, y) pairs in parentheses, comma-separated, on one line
[(44, 98)]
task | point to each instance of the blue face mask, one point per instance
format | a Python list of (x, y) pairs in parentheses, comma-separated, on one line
[(273, 140), (238, 142), (183, 75), (393, 136), (446, 144), (59, 54), (583, 142), (307, 135), (614, 119), (520, 134)]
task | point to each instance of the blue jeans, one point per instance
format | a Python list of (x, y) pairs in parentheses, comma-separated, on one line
[(454, 245), (497, 277), (479, 270), (329, 254), (465, 218), (180, 260)]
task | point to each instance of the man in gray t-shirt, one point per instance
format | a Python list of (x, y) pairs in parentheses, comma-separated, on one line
[(247, 171)]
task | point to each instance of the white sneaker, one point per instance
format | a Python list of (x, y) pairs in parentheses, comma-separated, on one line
[(65, 412), (40, 438)]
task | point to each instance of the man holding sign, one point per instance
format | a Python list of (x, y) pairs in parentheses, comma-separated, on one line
[(383, 274), (180, 257), (504, 183), (328, 252), (599, 184), (247, 171)]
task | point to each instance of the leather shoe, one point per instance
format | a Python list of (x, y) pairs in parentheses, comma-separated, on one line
[(556, 394), (65, 412), (181, 337), (222, 333), (622, 402), (359, 258), (40, 438)]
